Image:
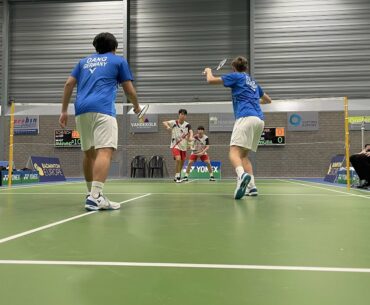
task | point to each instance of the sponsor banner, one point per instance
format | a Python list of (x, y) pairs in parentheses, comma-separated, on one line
[(335, 164), (303, 121), (199, 169), (49, 169), (20, 177), (150, 123), (221, 122), (26, 124), (358, 119)]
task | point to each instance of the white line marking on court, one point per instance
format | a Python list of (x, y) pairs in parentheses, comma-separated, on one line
[(4, 240), (184, 265), (327, 189), (191, 181), (125, 201), (175, 193), (338, 186), (39, 185)]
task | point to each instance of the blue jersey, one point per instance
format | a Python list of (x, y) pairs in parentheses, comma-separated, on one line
[(246, 94), (98, 77)]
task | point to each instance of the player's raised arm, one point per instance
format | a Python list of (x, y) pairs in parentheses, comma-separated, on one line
[(212, 79), (167, 125)]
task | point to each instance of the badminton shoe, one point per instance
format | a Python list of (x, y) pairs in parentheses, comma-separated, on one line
[(100, 203), (241, 185), (251, 191), (185, 178), (211, 178)]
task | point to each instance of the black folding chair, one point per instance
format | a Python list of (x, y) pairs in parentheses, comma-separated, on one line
[(138, 167), (155, 164)]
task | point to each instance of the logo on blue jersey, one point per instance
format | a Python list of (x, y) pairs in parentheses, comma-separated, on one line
[(251, 83)]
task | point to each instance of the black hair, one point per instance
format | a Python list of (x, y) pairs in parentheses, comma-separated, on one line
[(200, 128), (183, 111), (366, 145), (105, 42)]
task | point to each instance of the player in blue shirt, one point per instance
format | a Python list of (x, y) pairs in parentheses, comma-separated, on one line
[(98, 77), (246, 96)]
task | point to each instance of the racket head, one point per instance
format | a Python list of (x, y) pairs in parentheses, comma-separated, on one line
[(221, 64), (143, 111)]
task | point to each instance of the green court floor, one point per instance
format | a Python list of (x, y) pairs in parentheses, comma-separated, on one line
[(185, 244)]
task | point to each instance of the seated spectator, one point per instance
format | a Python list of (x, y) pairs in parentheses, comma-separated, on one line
[(361, 164)]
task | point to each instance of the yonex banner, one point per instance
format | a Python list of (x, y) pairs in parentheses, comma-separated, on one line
[(199, 170), (49, 169), (26, 124), (20, 177), (303, 121), (150, 124)]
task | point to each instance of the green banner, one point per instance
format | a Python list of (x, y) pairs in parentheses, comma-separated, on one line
[(199, 170), (20, 177), (358, 119)]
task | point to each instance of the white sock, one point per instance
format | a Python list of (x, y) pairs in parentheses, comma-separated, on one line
[(239, 171), (88, 184), (251, 183), (96, 188), (177, 175)]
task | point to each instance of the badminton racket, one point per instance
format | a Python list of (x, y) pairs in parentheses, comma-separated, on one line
[(142, 112), (220, 65)]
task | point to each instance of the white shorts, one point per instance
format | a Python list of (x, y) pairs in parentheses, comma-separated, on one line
[(97, 130), (247, 132)]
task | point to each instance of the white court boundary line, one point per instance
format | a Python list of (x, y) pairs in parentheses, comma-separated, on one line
[(335, 186), (41, 184), (54, 224), (3, 189), (184, 265), (180, 193), (190, 181), (327, 189)]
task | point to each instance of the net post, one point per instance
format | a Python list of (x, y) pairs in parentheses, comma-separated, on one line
[(11, 142), (347, 141)]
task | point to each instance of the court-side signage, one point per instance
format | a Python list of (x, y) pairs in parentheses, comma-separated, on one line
[(49, 169), (335, 164), (150, 123), (303, 121), (221, 122), (199, 169), (20, 177), (26, 124)]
